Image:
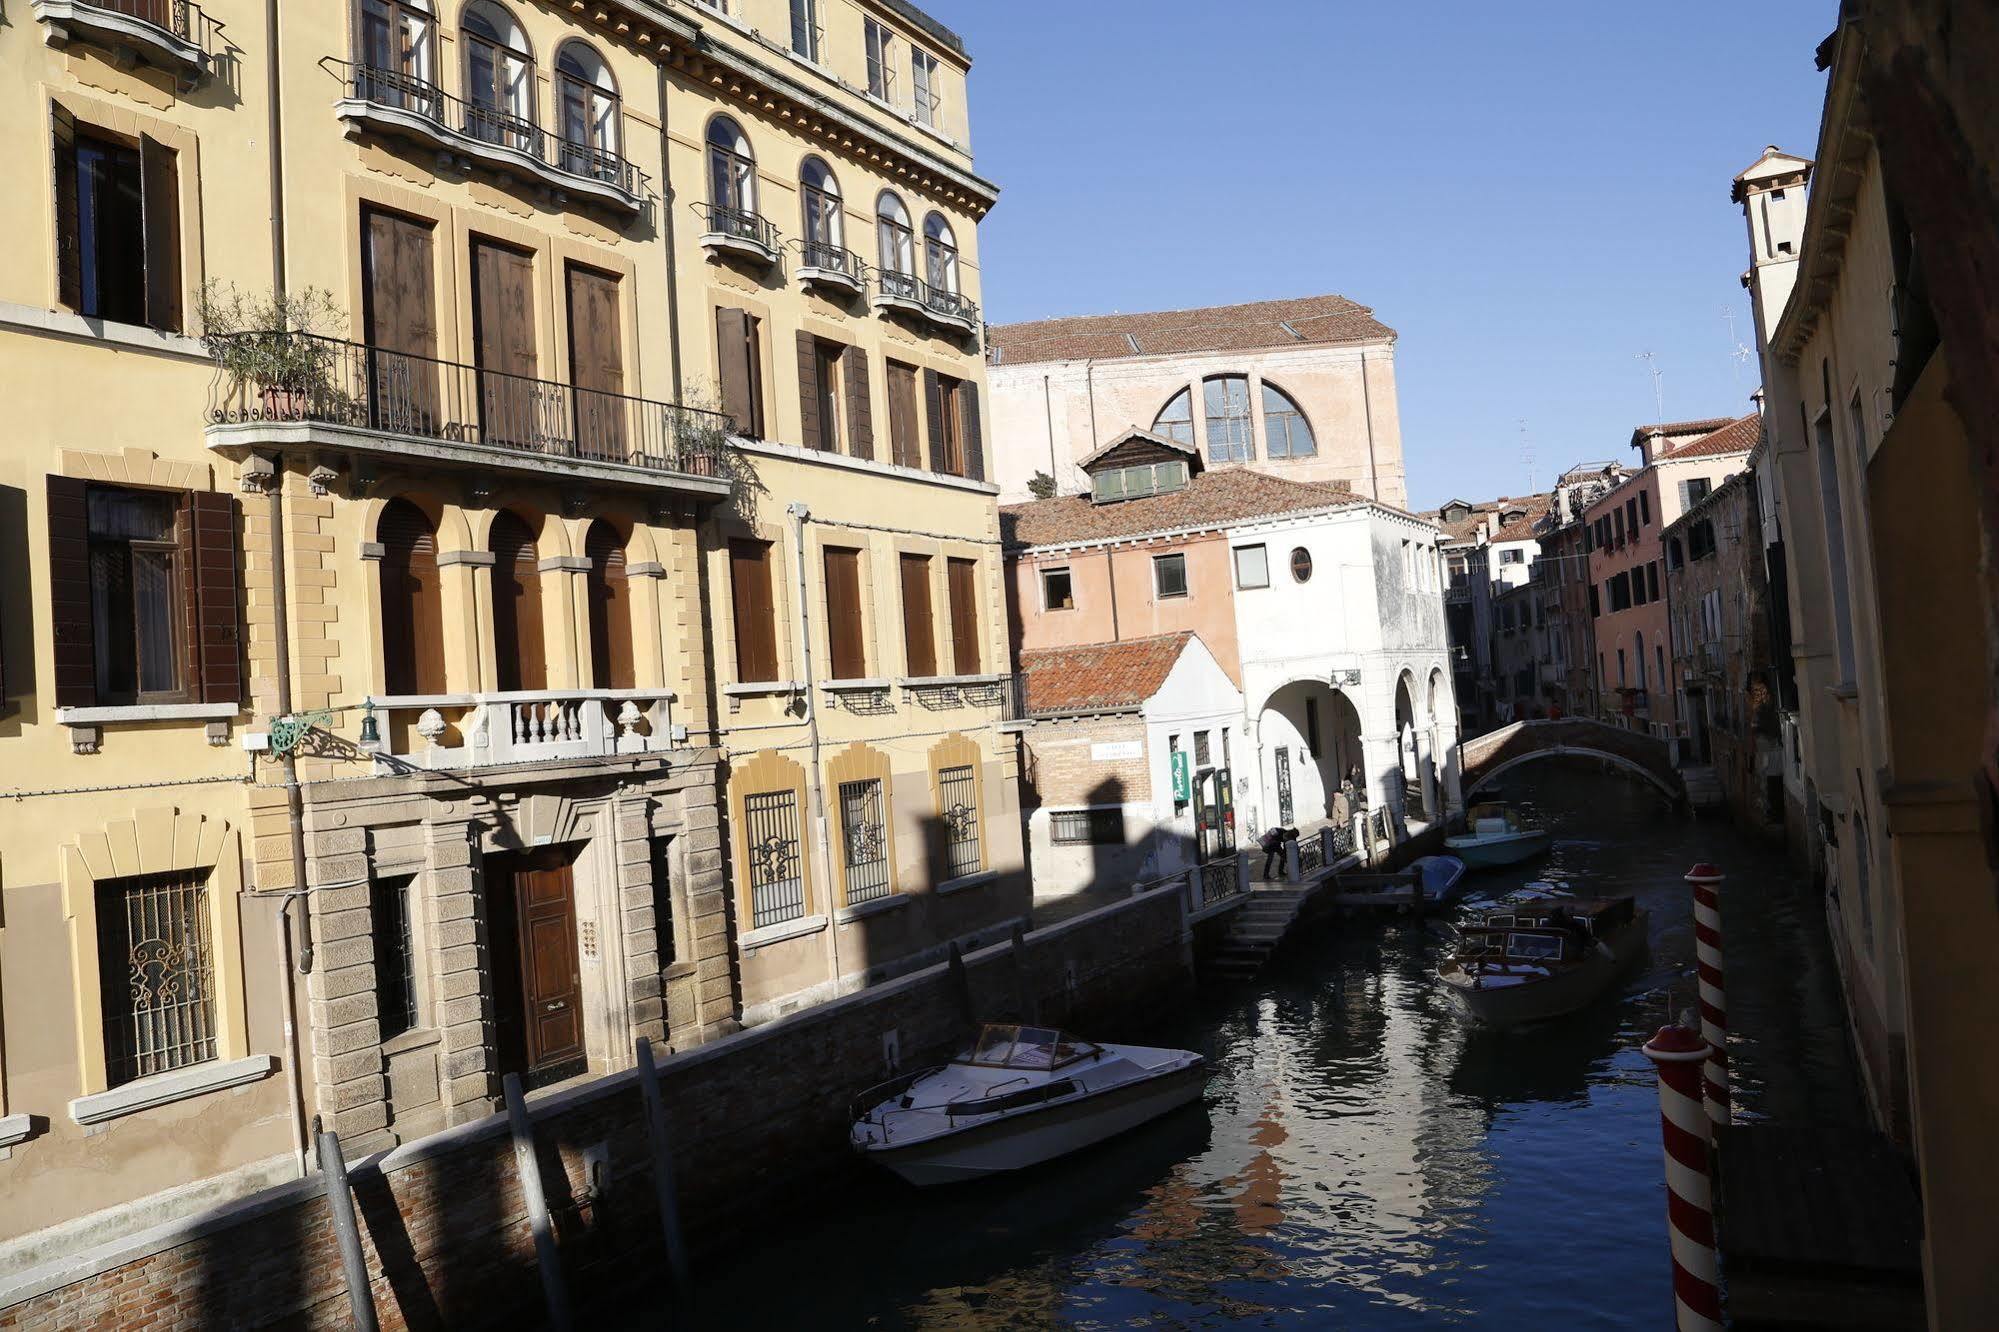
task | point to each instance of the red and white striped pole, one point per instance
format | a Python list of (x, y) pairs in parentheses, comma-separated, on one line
[(1677, 1053), (1706, 880)]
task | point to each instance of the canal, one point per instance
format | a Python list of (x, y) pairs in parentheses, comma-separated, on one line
[(1364, 1159)]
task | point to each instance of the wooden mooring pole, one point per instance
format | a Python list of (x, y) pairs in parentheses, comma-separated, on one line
[(340, 1198), (554, 1293), (662, 1171)]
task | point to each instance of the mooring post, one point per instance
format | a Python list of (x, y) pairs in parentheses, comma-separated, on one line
[(1293, 872), (340, 1198), (1327, 856), (662, 1170), (555, 1296), (1360, 843), (1677, 1052), (1023, 989), (1706, 880), (961, 984), (1244, 875)]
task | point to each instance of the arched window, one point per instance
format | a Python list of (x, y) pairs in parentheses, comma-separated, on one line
[(940, 254), (898, 240), (819, 194), (518, 658), (1176, 418), (1226, 400), (610, 609), (499, 78), (1286, 433), (586, 97), (397, 38), (412, 611), (732, 174)]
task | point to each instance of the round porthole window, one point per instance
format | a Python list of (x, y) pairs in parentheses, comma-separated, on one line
[(1301, 564)]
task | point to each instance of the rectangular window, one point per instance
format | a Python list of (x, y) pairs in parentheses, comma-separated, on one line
[(1121, 483), (1652, 581), (1058, 591), (138, 581), (805, 28), (1169, 576), (1087, 827), (1512, 556), (1252, 566), (755, 613), (948, 425), (1201, 749), (1620, 592), (845, 632), (1631, 517), (1638, 586), (665, 929), (1700, 539), (1617, 516), (117, 225), (1697, 489), (902, 417), (819, 392), (959, 798), (919, 634), (1311, 725), (739, 369), (395, 955), (961, 587), (770, 839), (929, 95), (1645, 507), (156, 962), (1595, 609), (864, 840), (881, 61)]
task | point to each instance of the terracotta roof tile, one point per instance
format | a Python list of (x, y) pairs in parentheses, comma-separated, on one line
[(1533, 508), (1257, 325), (1091, 677), (1738, 436), (1211, 499)]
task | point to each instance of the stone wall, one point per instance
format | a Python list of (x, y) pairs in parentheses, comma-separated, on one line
[(758, 1120)]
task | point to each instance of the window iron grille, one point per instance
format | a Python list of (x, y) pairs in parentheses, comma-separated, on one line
[(866, 840), (961, 821), (777, 886), (395, 957), (158, 972), (1087, 827)]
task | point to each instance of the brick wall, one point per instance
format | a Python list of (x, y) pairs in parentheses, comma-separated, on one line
[(1062, 772), (758, 1121)]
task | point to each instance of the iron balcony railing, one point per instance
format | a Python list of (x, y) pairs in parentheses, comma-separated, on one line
[(300, 377), (180, 17), (909, 287), (491, 125), (741, 223), (830, 258), (1013, 698)]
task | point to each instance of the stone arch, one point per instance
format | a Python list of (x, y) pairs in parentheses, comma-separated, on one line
[(1487, 757), (1308, 740)]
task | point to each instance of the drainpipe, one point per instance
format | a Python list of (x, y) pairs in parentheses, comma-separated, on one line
[(1110, 574), (1048, 411), (666, 207), (800, 514), (1090, 380), (294, 804), (1367, 410)]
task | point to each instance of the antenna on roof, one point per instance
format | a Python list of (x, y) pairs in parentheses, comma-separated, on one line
[(1651, 359), (1737, 351), (1527, 455)]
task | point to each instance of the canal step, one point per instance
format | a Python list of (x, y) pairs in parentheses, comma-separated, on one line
[(1255, 930), (1703, 786)]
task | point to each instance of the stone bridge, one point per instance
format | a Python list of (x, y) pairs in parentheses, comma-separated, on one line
[(1485, 757)]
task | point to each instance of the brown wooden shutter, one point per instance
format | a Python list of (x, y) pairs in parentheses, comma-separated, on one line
[(159, 196), (517, 617), (597, 363), (215, 637), (399, 319), (736, 363), (69, 226), (970, 443), (412, 609), (860, 412), (503, 342), (962, 583), (902, 417), (69, 594), (919, 633), (845, 636), (610, 610), (933, 405), (808, 392), (755, 614)]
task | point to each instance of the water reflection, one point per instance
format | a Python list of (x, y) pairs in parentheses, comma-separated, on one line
[(1365, 1158)]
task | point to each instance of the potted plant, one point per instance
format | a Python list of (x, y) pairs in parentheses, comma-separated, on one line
[(279, 346)]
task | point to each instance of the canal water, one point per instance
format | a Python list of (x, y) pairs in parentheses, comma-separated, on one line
[(1364, 1159)]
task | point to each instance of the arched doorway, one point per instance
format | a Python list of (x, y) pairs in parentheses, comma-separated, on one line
[(1433, 779), (412, 608), (1309, 735), (1407, 756), (518, 659)]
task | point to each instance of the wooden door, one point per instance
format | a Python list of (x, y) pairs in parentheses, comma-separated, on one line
[(597, 365), (504, 345), (537, 981), (518, 658), (399, 318)]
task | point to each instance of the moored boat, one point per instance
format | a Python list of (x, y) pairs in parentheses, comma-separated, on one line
[(1529, 960), (1020, 1096), (1442, 877), (1495, 835)]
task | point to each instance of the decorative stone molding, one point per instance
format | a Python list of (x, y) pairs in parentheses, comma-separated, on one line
[(645, 569), (565, 564), (166, 1088), (375, 550), (256, 475), (135, 467), (321, 479), (484, 559)]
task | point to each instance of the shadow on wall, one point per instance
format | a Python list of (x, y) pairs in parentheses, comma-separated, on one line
[(17, 624)]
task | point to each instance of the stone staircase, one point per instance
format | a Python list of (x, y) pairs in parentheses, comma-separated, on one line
[(1256, 928), (1703, 787)]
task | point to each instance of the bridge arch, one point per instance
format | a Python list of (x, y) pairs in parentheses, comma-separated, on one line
[(1485, 758)]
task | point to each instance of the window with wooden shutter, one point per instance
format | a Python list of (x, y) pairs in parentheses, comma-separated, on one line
[(518, 657), (503, 344), (962, 583), (69, 226), (812, 432), (933, 407), (399, 322), (919, 632), (159, 193), (739, 370), (597, 364), (69, 594), (610, 609), (412, 610), (971, 447), (860, 411), (846, 637), (904, 436), (139, 601), (755, 613), (947, 422), (216, 617)]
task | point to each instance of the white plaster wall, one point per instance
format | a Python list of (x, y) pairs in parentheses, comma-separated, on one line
[(1197, 695)]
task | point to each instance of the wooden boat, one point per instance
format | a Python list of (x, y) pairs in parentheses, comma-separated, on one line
[(1018, 1097), (1425, 883), (1443, 878), (1541, 958), (1494, 835)]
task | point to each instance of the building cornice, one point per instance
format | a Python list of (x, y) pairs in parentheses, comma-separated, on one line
[(1845, 144)]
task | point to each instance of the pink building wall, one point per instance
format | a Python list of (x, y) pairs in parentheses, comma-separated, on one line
[(1135, 612)]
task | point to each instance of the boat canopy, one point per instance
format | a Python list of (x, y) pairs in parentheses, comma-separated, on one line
[(1002, 1045)]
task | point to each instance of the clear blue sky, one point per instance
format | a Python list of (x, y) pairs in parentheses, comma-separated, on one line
[(1529, 193)]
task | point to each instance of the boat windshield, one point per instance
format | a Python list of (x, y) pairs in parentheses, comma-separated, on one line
[(1004, 1046), (1534, 947)]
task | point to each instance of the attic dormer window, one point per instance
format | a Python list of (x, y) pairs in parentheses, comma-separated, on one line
[(1456, 513), (1135, 482)]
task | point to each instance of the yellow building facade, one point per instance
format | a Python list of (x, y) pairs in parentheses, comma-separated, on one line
[(571, 614)]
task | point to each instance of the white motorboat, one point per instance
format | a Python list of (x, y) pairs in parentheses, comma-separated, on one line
[(1020, 1096), (1495, 835)]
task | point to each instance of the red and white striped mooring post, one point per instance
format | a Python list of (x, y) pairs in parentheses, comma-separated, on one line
[(1706, 880), (1677, 1053)]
